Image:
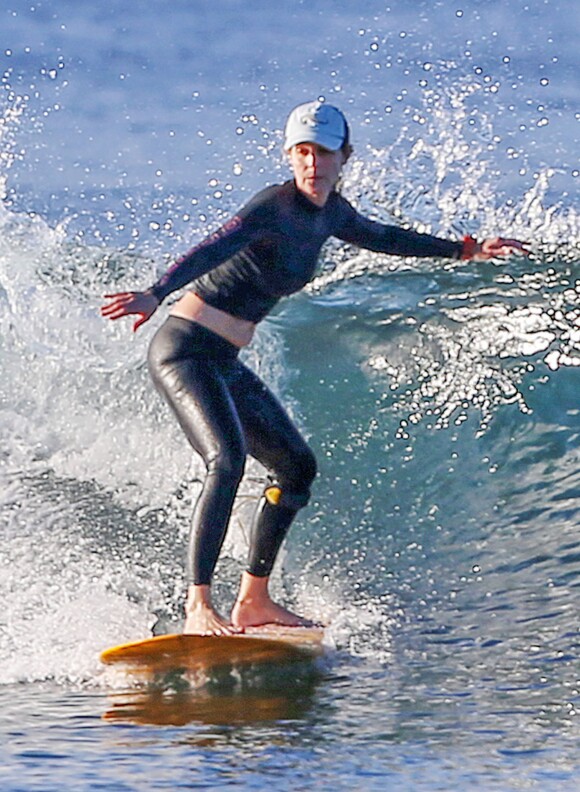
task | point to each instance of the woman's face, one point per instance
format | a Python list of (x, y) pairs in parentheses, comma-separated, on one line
[(316, 170)]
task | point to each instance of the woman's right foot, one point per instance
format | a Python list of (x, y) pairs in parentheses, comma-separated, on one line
[(205, 621), (200, 616)]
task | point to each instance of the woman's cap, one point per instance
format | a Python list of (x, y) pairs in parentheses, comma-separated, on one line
[(316, 122)]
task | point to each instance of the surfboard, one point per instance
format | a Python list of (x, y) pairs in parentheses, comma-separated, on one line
[(265, 644)]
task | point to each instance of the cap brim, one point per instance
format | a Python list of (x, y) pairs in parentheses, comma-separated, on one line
[(330, 142)]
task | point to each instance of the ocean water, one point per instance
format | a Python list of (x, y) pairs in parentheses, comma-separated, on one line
[(441, 545)]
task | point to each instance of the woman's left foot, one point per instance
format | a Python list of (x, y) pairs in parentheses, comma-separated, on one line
[(256, 614)]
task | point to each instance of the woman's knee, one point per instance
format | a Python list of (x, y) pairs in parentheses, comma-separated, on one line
[(300, 467), (227, 464), (309, 466), (292, 485)]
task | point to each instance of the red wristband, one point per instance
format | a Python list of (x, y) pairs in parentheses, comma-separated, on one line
[(469, 247)]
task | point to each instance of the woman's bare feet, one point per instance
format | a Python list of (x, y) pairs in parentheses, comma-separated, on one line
[(254, 606), (201, 618)]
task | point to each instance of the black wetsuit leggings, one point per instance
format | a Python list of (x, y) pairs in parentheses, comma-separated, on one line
[(227, 412)]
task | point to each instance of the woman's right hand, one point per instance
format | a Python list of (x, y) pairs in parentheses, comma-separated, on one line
[(144, 304)]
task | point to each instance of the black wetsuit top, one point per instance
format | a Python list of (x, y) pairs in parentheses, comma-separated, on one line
[(270, 249)]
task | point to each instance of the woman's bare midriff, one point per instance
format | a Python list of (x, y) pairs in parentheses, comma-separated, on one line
[(235, 330)]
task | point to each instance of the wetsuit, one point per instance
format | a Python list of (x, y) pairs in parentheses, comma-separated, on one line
[(270, 249)]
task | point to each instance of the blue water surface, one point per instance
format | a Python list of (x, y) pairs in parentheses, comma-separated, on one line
[(441, 544)]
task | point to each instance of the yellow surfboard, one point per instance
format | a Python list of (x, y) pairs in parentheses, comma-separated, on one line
[(266, 644), (172, 673)]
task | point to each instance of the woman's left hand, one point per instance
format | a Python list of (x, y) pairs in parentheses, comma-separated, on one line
[(498, 247)]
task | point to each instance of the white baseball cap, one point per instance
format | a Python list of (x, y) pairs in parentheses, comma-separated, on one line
[(316, 122)]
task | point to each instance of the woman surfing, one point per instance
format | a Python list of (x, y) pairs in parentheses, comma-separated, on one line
[(235, 277)]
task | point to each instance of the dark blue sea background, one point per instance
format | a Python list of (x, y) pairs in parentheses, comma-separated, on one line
[(442, 544)]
